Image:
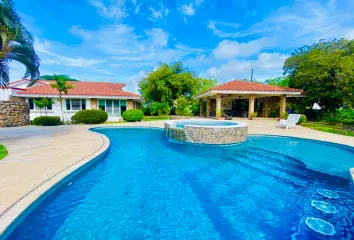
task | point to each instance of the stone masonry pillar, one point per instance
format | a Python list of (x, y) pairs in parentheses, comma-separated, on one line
[(208, 107), (218, 105), (282, 105), (201, 107), (251, 101)]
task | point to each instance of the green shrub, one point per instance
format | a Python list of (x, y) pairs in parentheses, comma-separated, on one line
[(161, 109), (302, 119), (133, 115), (285, 115), (47, 121), (183, 107), (348, 121), (90, 116)]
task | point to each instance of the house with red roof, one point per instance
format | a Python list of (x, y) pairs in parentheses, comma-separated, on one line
[(107, 96), (241, 98)]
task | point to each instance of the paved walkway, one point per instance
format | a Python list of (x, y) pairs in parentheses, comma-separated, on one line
[(40, 156)]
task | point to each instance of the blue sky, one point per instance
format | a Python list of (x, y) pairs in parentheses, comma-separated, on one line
[(120, 40)]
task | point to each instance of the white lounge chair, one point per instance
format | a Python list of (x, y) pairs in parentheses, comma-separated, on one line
[(292, 120)]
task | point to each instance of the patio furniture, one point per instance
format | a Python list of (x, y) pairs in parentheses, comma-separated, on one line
[(292, 120)]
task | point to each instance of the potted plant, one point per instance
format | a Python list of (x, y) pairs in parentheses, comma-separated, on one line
[(253, 115), (219, 113)]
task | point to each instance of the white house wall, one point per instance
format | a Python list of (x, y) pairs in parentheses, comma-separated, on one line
[(56, 111)]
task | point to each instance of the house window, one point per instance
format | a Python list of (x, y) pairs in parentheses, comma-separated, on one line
[(123, 106), (113, 107), (33, 106), (75, 104)]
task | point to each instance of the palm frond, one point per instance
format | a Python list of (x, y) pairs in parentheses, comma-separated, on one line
[(4, 73)]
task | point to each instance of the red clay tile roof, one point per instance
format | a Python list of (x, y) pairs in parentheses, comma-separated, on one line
[(101, 89), (237, 85)]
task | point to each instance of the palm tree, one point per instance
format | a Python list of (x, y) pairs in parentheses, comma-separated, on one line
[(63, 88), (39, 104), (16, 44)]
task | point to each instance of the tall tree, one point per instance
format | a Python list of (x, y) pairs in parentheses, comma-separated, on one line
[(63, 76), (62, 87), (168, 82), (325, 71), (16, 44), (278, 81)]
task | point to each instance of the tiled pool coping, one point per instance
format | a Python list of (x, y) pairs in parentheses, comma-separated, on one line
[(27, 202)]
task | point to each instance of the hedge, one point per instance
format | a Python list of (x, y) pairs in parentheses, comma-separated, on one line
[(47, 121), (302, 119), (90, 116), (133, 115), (348, 121)]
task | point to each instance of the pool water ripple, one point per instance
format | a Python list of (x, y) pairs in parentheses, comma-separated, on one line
[(151, 188)]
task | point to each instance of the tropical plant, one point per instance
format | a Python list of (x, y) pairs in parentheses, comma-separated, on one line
[(302, 119), (43, 103), (167, 82), (62, 87), (39, 104), (16, 44), (90, 116), (63, 76), (47, 121), (133, 115), (161, 109), (183, 106), (253, 115)]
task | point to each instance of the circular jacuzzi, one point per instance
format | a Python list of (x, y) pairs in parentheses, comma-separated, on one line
[(206, 131)]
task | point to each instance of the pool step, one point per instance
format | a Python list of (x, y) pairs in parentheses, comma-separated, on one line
[(273, 163), (284, 175)]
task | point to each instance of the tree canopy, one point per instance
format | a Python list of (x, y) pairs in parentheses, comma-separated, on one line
[(168, 82), (278, 81), (61, 76), (325, 71), (16, 44)]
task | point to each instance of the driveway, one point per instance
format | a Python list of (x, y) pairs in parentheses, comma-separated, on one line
[(30, 131)]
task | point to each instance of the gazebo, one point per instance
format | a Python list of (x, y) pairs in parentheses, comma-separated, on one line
[(241, 98)]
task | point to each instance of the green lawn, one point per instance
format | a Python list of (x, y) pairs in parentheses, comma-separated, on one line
[(3, 152), (328, 128), (146, 119)]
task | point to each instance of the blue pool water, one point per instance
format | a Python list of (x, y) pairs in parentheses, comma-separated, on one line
[(150, 188), (181, 124)]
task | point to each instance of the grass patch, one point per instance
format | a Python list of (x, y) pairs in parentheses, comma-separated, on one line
[(155, 118), (146, 119), (324, 127), (3, 152)]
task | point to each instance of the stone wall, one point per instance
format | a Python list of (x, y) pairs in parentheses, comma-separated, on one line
[(207, 135), (14, 113)]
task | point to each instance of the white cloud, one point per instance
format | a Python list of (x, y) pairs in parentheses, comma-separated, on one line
[(137, 8), (45, 49), (189, 49), (349, 34), (158, 37), (158, 14), (115, 10), (229, 49), (132, 83), (265, 66), (187, 9), (223, 29), (198, 2), (303, 23)]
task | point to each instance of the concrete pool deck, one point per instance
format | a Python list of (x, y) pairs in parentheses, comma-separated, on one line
[(39, 157)]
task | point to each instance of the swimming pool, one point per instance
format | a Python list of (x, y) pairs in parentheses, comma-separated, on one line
[(151, 188)]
